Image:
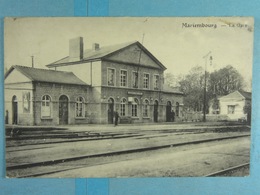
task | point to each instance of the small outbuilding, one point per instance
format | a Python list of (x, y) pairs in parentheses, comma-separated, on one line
[(233, 106), (44, 97)]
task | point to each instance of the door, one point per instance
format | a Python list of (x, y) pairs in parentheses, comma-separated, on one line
[(168, 111), (15, 110), (63, 110), (110, 111), (155, 111)]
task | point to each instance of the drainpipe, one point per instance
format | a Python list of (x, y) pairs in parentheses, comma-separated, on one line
[(91, 73), (34, 103)]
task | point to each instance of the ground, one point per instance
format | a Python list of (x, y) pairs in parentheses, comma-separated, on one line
[(161, 150)]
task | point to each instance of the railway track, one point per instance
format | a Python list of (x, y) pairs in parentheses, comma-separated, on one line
[(29, 137), (80, 139), (228, 171), (57, 162)]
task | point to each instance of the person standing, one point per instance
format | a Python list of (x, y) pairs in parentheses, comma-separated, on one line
[(6, 117), (116, 116)]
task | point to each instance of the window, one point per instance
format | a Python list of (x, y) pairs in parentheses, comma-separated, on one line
[(156, 82), (231, 109), (26, 102), (135, 108), (135, 79), (80, 107), (146, 108), (123, 107), (146, 81), (123, 78), (110, 77), (46, 106)]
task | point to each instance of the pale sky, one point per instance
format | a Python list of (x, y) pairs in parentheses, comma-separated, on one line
[(178, 47)]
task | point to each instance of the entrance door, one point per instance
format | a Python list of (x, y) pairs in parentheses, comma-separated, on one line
[(63, 110), (155, 111), (168, 111), (15, 110), (110, 111)]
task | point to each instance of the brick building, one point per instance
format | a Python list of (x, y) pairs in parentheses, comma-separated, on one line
[(92, 84), (44, 97)]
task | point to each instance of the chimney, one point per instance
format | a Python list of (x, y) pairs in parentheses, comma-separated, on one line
[(76, 49), (95, 46)]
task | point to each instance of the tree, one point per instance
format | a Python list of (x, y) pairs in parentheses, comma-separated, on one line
[(225, 81), (171, 80), (219, 83), (192, 85), (215, 105)]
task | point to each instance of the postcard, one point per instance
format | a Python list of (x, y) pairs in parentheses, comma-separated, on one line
[(128, 96)]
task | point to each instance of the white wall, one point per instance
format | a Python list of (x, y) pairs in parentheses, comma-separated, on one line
[(83, 72), (18, 90), (16, 77), (239, 108)]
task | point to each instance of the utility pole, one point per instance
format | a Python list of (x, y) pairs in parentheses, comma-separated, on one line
[(32, 62), (139, 60), (205, 87)]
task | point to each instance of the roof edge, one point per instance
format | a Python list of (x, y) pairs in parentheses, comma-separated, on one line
[(52, 65), (143, 48), (72, 63), (174, 92), (17, 68)]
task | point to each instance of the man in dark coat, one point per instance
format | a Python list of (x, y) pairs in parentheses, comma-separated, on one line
[(116, 116)]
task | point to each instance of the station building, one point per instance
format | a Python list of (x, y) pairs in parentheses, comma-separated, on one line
[(88, 86)]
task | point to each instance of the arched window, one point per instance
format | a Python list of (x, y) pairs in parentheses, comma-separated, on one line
[(146, 108), (135, 107), (80, 107), (46, 106), (123, 107)]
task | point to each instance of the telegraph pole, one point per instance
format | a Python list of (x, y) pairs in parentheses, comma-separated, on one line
[(32, 62), (205, 87), (139, 60)]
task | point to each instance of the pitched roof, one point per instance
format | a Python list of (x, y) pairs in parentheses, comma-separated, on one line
[(45, 75), (236, 94), (102, 52), (247, 95), (95, 54)]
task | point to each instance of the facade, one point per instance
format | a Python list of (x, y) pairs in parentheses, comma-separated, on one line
[(232, 105), (126, 78), (44, 97)]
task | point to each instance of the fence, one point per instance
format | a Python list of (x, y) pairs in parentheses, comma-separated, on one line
[(191, 116)]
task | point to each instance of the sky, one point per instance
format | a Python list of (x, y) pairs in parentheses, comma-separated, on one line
[(178, 43)]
